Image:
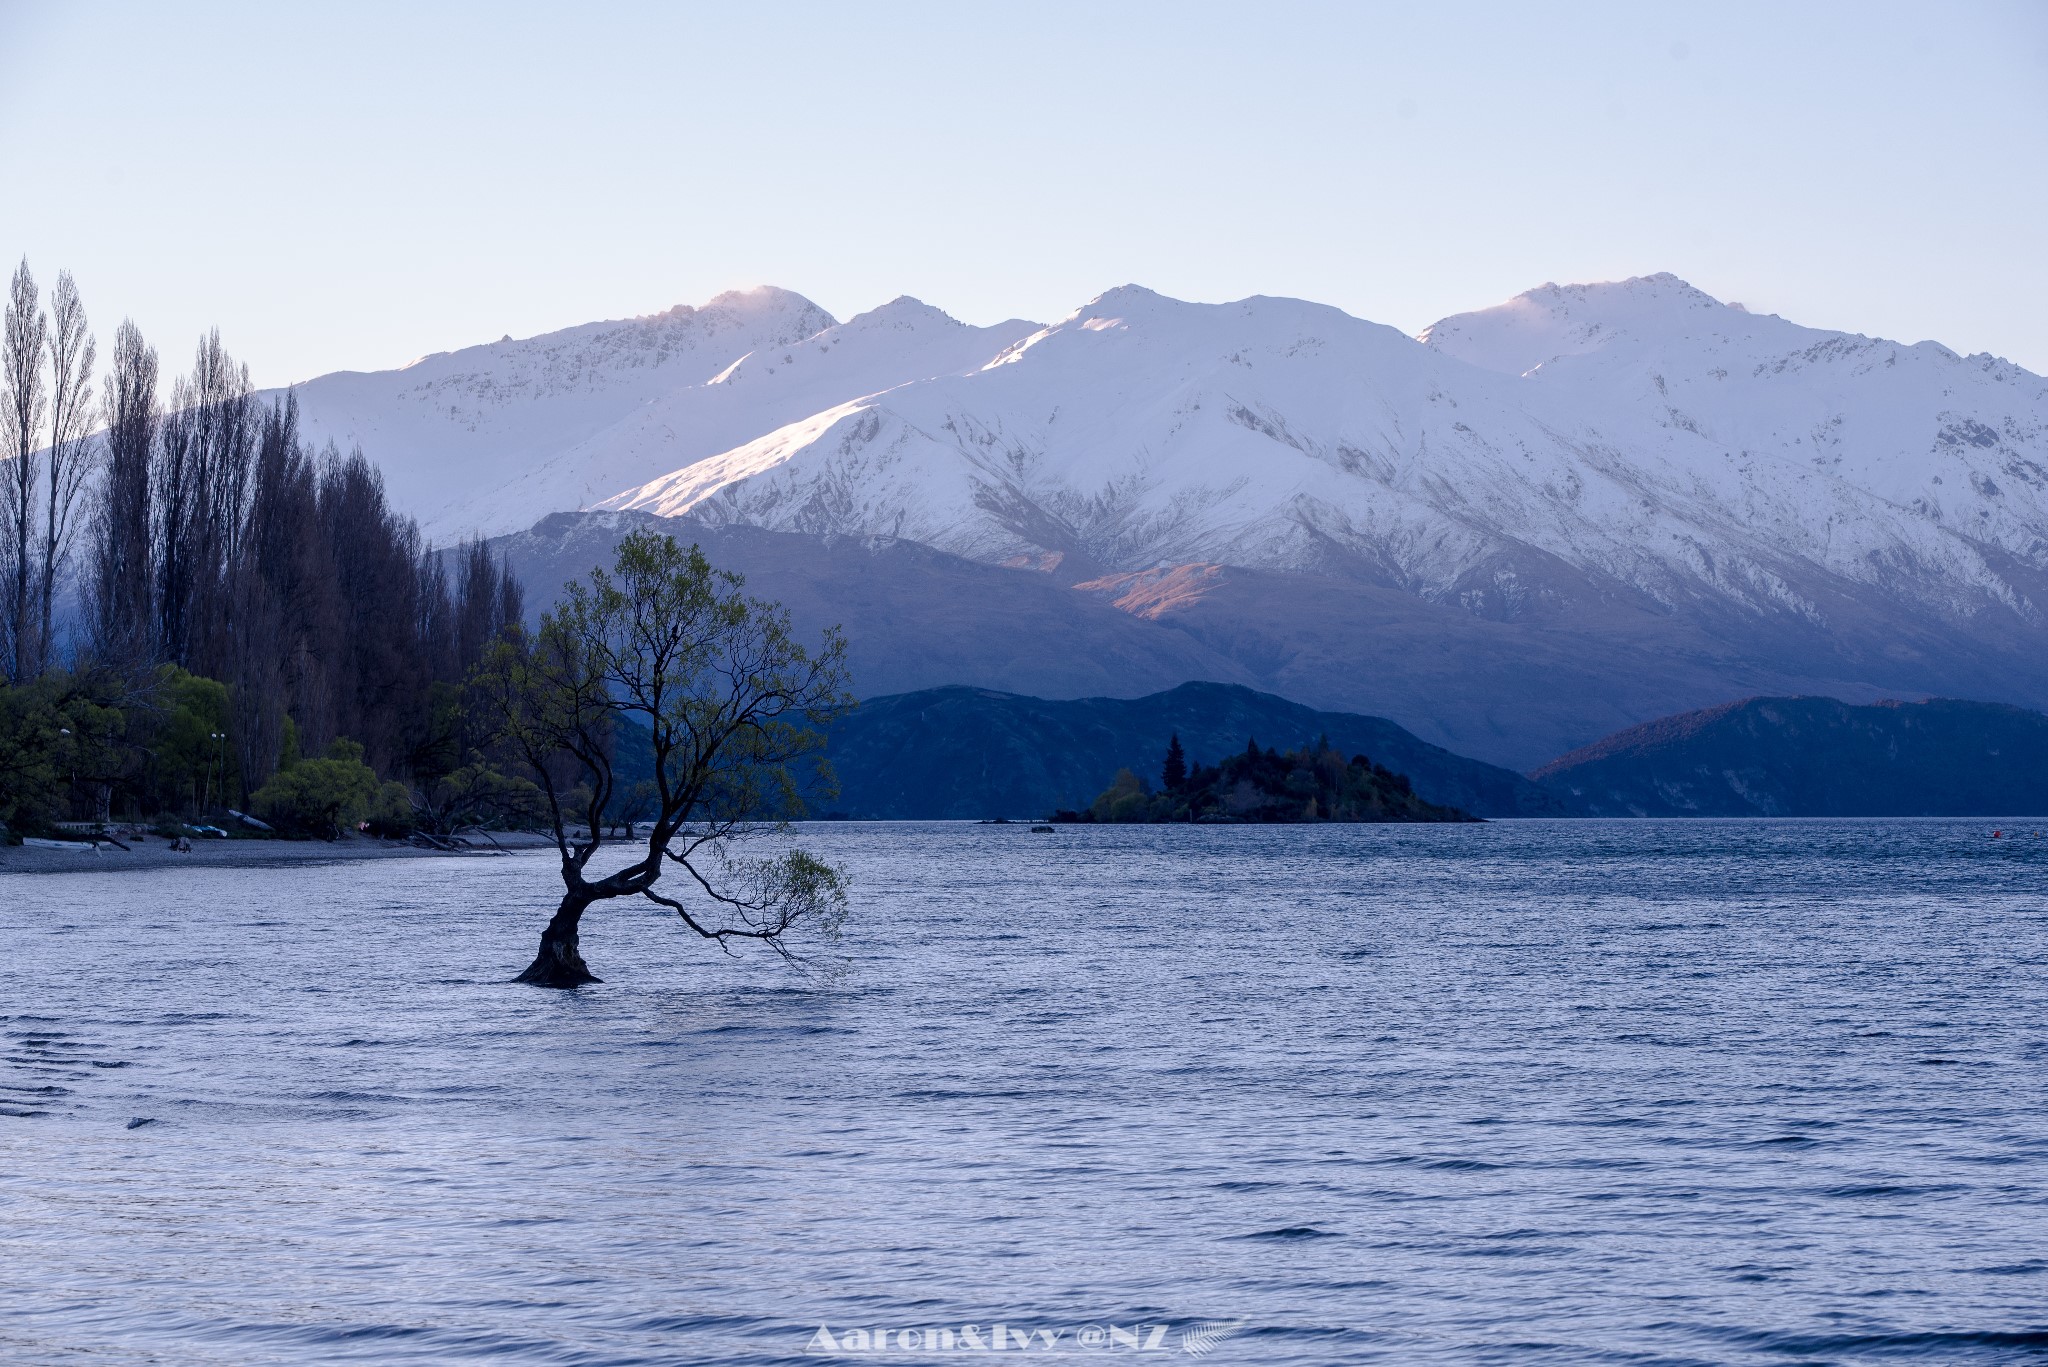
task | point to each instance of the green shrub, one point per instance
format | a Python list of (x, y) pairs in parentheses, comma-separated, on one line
[(1124, 800), (59, 735), (479, 795), (324, 796), (188, 769)]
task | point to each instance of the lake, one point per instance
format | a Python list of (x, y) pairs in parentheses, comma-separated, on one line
[(1529, 1092)]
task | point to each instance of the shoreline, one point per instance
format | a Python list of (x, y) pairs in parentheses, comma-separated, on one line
[(232, 854)]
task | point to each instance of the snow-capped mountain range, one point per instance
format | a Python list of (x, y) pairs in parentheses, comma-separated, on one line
[(1638, 470), (1640, 433)]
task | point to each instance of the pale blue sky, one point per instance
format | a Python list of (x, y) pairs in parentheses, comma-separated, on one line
[(354, 184)]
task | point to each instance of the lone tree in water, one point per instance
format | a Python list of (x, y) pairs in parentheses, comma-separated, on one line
[(666, 652)]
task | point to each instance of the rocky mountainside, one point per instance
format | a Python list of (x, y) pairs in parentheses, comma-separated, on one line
[(1530, 526), (971, 752), (1816, 757)]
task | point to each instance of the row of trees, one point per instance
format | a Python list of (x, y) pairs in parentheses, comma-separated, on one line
[(210, 540), (46, 401)]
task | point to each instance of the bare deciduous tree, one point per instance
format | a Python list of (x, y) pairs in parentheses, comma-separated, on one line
[(69, 458), (121, 572), (488, 600), (376, 573), (727, 702), (22, 387), (275, 578), (201, 486)]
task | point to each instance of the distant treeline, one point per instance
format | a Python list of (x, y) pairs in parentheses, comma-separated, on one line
[(209, 543)]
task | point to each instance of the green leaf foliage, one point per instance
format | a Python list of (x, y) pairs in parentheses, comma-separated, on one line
[(60, 732), (325, 796)]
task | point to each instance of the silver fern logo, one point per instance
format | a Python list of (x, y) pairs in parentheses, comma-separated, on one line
[(1201, 1339)]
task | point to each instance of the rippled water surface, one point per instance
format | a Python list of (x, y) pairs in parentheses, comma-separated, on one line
[(1523, 1092)]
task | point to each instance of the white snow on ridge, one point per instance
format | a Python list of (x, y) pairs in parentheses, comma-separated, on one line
[(1956, 443), (490, 438), (1555, 321), (455, 425), (761, 391), (1639, 431)]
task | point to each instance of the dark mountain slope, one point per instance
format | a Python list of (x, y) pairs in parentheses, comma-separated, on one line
[(970, 752), (1513, 684), (1816, 757), (913, 617)]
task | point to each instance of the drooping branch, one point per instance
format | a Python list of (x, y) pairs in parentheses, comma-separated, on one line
[(794, 890)]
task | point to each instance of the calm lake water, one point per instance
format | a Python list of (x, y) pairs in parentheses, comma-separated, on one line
[(1524, 1092)]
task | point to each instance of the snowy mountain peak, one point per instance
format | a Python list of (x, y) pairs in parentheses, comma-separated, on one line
[(1274, 325), (758, 301), (492, 437), (1112, 308), (1552, 321), (903, 314), (1639, 297), (454, 429)]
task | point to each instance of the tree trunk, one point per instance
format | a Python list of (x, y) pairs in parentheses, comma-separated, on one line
[(559, 964)]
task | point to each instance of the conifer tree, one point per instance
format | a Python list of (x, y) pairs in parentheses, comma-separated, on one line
[(1174, 775)]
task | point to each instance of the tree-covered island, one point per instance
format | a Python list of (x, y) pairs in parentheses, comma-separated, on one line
[(1314, 783)]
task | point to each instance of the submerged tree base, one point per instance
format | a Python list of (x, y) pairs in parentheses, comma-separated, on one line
[(558, 964), (544, 972)]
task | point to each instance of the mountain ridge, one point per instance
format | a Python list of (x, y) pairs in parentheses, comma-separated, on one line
[(1395, 477), (961, 752), (1640, 485), (1510, 692), (1815, 757)]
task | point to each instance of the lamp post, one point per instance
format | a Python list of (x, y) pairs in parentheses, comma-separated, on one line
[(221, 738)]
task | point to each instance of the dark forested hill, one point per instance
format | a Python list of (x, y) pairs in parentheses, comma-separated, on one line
[(1816, 757), (972, 752)]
